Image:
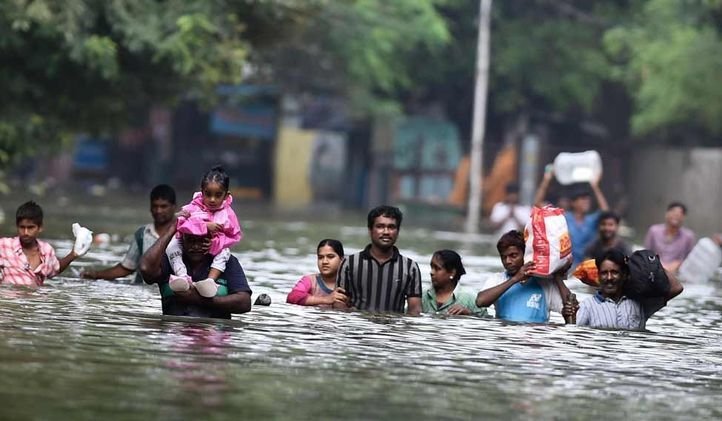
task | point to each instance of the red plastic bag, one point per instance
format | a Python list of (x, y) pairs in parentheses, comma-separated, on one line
[(547, 241)]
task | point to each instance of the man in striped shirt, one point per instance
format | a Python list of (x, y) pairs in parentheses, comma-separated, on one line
[(379, 278), (610, 308)]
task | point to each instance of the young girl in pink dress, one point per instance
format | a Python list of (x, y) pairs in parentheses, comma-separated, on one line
[(319, 289), (210, 211)]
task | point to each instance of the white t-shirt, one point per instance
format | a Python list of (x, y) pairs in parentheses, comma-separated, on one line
[(501, 211)]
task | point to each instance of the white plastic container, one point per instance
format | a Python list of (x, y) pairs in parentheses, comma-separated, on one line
[(702, 262), (580, 167)]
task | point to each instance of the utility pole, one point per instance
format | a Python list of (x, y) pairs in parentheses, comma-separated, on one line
[(478, 123)]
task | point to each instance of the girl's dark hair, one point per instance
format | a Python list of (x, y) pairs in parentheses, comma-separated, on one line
[(216, 175), (450, 260), (511, 238), (334, 244), (617, 257)]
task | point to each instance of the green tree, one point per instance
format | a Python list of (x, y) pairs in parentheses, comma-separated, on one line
[(362, 50), (669, 55), (546, 60), (88, 65)]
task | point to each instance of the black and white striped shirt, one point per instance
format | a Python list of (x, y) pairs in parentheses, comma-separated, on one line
[(379, 287), (601, 312)]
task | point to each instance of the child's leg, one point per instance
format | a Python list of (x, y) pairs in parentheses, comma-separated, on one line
[(175, 255), (219, 263)]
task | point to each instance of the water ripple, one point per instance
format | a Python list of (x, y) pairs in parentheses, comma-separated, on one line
[(101, 349)]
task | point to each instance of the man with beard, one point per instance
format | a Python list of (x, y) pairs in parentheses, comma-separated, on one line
[(25, 260), (379, 278), (608, 237), (670, 240), (162, 209)]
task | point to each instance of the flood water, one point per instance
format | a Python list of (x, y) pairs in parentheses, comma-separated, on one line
[(78, 349)]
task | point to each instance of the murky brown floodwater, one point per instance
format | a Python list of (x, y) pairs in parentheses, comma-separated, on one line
[(88, 350)]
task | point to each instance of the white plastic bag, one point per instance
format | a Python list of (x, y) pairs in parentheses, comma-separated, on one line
[(83, 239), (547, 241)]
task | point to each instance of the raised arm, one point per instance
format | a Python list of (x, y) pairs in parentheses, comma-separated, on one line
[(151, 261), (65, 261), (601, 200), (541, 192), (675, 287)]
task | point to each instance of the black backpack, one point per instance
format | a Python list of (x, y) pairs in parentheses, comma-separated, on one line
[(647, 278)]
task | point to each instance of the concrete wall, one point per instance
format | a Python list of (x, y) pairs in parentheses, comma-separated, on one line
[(292, 184), (693, 176)]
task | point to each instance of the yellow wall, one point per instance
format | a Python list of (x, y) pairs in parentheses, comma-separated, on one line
[(292, 187)]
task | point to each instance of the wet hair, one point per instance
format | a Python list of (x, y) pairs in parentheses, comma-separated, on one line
[(334, 244), (512, 238), (387, 211), (216, 175), (29, 210), (450, 260), (614, 256), (607, 215), (163, 192), (677, 205)]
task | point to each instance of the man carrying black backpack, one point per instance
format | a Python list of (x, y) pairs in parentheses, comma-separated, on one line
[(630, 291)]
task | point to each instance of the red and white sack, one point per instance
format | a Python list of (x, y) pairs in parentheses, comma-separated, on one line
[(547, 240)]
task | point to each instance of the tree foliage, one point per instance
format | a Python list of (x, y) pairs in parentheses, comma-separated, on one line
[(89, 65), (361, 49), (566, 59), (545, 59), (670, 58), (95, 65)]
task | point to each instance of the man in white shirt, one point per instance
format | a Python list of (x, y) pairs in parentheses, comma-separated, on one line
[(508, 214)]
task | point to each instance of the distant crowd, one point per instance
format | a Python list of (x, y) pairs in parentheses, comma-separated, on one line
[(187, 254)]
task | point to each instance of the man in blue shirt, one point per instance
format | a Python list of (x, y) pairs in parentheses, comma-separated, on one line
[(516, 296), (582, 223)]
